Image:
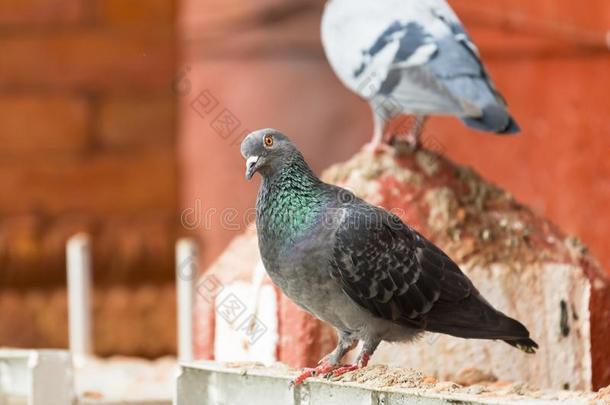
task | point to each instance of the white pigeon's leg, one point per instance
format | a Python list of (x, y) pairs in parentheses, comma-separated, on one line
[(413, 136), (416, 130), (376, 144)]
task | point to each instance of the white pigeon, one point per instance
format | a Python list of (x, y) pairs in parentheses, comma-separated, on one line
[(411, 57)]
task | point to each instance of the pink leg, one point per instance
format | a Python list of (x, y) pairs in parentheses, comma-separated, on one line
[(377, 144), (331, 361), (412, 137)]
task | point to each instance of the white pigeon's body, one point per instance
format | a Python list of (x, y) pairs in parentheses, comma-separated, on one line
[(411, 57)]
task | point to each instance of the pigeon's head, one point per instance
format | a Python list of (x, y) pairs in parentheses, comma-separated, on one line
[(265, 151)]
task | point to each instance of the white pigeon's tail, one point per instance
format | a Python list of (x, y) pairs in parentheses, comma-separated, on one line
[(496, 119)]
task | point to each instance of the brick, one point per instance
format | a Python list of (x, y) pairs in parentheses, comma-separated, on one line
[(39, 318), (136, 247), (37, 124), (135, 12), (196, 16), (557, 15), (91, 60), (98, 185), (32, 248), (286, 29), (130, 122), (40, 12), (151, 310)]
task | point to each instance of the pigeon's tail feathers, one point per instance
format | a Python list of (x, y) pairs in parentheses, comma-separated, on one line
[(494, 118), (492, 114), (526, 345), (475, 318)]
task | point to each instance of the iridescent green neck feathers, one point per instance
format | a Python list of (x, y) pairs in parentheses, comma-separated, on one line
[(289, 200)]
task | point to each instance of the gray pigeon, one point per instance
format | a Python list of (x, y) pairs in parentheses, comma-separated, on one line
[(411, 57), (357, 266)]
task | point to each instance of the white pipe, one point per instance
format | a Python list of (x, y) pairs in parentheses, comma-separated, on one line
[(186, 274), (78, 253)]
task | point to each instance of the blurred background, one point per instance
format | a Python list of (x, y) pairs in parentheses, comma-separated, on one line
[(123, 118)]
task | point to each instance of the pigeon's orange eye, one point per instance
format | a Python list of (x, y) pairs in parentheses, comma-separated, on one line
[(268, 141)]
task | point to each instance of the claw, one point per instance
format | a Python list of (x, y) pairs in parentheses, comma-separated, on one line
[(344, 369), (323, 368), (329, 369), (307, 372)]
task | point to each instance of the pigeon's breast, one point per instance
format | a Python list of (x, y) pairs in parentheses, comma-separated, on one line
[(300, 268)]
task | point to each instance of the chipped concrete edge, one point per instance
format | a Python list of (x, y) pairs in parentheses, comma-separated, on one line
[(214, 383)]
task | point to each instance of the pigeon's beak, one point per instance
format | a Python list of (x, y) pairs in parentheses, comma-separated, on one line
[(252, 165)]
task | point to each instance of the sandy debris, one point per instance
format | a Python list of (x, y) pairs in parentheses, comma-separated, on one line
[(385, 377), (471, 376), (381, 376)]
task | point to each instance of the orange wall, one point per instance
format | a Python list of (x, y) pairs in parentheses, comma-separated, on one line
[(272, 72), (560, 93)]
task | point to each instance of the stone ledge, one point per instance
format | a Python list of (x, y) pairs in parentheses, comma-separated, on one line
[(240, 383)]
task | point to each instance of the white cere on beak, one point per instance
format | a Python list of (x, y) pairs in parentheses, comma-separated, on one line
[(250, 165), (251, 161)]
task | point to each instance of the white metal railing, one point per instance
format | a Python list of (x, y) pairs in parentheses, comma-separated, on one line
[(78, 263), (46, 377), (186, 275)]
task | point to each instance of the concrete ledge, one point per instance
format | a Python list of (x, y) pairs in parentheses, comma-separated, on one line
[(239, 383), (48, 377), (36, 377)]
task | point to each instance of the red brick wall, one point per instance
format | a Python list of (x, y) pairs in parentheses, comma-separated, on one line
[(87, 124), (263, 61)]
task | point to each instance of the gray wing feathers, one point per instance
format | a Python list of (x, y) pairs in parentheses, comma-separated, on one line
[(396, 274), (421, 92), (452, 81), (459, 68), (389, 269)]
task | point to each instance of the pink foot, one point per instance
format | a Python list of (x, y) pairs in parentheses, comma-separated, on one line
[(362, 362), (322, 369), (345, 369), (325, 368)]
